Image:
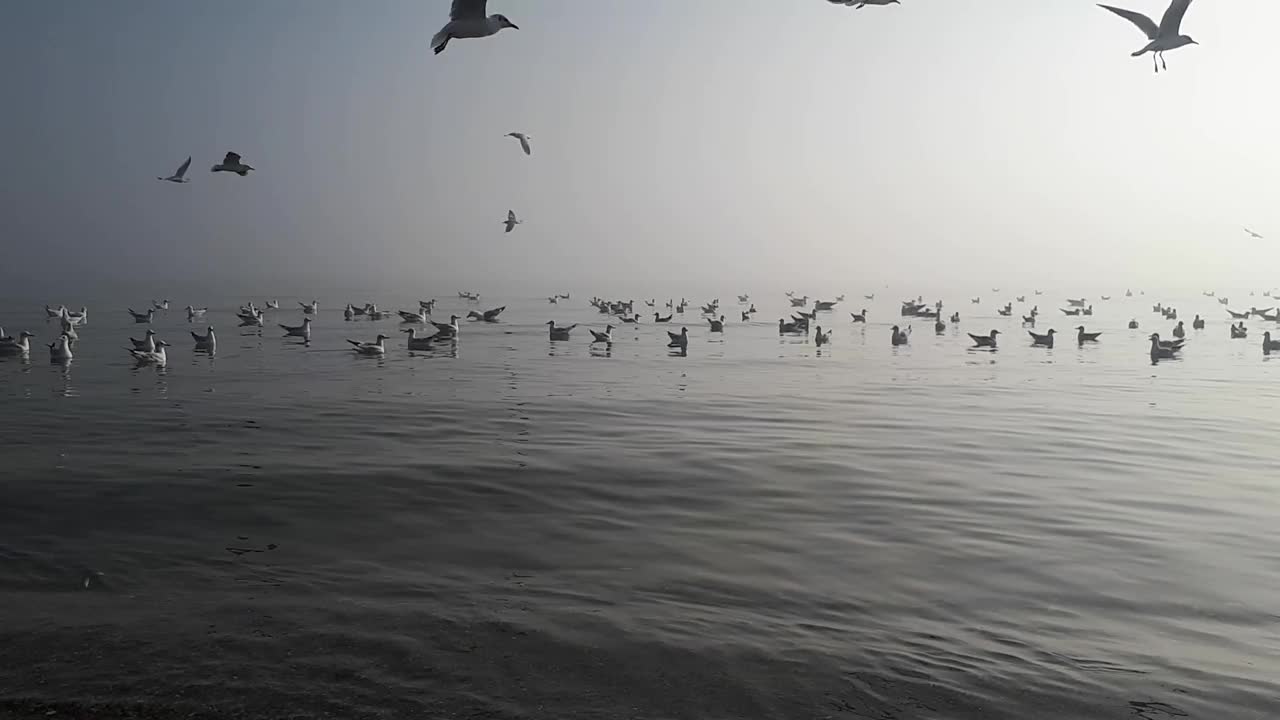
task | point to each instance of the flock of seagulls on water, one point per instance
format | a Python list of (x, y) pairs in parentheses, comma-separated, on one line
[(150, 350)]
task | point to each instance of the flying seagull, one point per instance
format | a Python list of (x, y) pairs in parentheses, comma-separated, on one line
[(859, 4), (1166, 36), (524, 142), (511, 221), (1253, 234), (231, 163), (180, 176), (467, 20)]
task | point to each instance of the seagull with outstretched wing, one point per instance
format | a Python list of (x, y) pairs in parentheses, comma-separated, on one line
[(1165, 36)]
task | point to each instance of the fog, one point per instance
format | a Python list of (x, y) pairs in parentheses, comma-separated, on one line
[(678, 145)]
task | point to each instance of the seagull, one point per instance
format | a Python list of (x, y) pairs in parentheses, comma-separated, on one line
[(491, 316), (310, 309), (717, 326), (302, 331), (1161, 352), (603, 337), (420, 318), (511, 222), (1165, 36), (559, 333), (985, 341), (678, 340), (50, 312), (231, 163), (179, 176), (147, 343), (898, 337), (1268, 345), (195, 312), (1254, 235), (659, 319), (820, 338), (68, 329), (207, 342), (1045, 340), (415, 342), (155, 357), (1083, 337), (20, 345), (142, 317), (374, 348), (467, 20), (444, 332), (524, 141), (60, 351), (859, 317), (859, 4)]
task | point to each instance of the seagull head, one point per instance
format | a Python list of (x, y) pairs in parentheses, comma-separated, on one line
[(503, 22)]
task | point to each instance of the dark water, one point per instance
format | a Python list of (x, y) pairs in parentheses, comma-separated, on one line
[(515, 528)]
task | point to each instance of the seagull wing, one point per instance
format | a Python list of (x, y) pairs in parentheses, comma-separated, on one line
[(231, 159), (1144, 23), (1171, 23), (468, 10), (182, 170), (524, 143), (511, 216)]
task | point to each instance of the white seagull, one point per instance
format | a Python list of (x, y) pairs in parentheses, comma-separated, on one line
[(1253, 234), (231, 163), (467, 20), (207, 342), (155, 357), (147, 343), (195, 312), (524, 141), (1165, 36), (20, 345), (374, 348), (511, 222), (180, 176), (302, 331), (60, 351), (859, 4)]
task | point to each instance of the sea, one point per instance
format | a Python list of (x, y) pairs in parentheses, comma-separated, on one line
[(510, 527)]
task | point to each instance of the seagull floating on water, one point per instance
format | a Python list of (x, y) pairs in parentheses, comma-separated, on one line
[(20, 345), (985, 341), (820, 338), (678, 340), (603, 337), (559, 333), (302, 331), (1045, 340), (231, 163), (155, 357), (415, 342), (60, 351), (142, 317), (444, 332), (467, 20), (195, 312), (207, 342), (511, 222), (147, 343), (1163, 37), (180, 175), (524, 141), (1083, 337), (374, 348)]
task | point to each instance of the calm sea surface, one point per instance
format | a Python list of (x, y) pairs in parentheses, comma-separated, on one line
[(511, 527)]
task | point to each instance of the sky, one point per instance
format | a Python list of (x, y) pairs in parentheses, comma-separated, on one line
[(678, 145)]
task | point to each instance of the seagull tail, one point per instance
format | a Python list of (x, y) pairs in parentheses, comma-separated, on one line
[(440, 42)]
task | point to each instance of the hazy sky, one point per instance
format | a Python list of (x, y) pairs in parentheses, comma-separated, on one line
[(678, 144)]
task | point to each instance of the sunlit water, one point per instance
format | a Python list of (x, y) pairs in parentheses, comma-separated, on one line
[(512, 527)]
